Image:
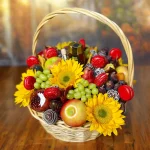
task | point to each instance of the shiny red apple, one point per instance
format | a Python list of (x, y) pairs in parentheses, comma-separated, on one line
[(73, 113)]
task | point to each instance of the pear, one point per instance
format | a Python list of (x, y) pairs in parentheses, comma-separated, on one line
[(124, 70)]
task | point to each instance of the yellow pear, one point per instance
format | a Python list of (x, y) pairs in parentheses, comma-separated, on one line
[(124, 70)]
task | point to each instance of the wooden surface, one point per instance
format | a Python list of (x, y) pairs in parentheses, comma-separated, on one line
[(19, 131)]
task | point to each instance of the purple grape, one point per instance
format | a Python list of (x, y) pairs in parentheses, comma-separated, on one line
[(102, 90), (113, 77), (109, 85)]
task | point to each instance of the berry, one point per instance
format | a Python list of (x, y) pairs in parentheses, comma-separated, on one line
[(37, 68), (82, 42), (32, 60), (88, 74), (38, 102), (52, 93), (77, 95), (109, 85), (41, 53), (50, 52), (126, 92), (94, 91), (70, 96), (114, 94), (116, 86), (104, 52), (98, 71), (37, 85), (115, 53), (113, 77), (29, 82), (101, 79), (92, 85), (102, 90), (56, 105), (50, 116), (98, 61), (122, 82), (108, 58), (83, 99)]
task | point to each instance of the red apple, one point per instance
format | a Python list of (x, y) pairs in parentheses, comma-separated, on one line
[(88, 74), (73, 113)]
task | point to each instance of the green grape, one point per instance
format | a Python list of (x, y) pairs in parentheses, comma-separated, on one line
[(83, 99), (88, 95), (94, 91), (38, 73), (38, 80), (49, 75), (76, 90), (82, 80), (82, 93), (85, 83), (79, 84), (46, 71), (47, 82), (37, 85), (47, 86), (70, 96), (71, 92), (81, 88), (43, 77), (92, 85), (43, 85), (88, 91), (77, 95)]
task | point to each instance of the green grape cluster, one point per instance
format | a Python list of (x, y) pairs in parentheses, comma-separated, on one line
[(83, 91), (42, 79)]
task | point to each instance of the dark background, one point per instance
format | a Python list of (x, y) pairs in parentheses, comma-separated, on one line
[(19, 19)]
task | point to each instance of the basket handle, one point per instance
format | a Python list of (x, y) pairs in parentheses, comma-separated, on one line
[(98, 17)]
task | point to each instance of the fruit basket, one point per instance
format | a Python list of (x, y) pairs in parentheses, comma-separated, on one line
[(75, 91)]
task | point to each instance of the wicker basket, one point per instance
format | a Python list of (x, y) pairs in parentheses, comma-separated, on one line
[(79, 134)]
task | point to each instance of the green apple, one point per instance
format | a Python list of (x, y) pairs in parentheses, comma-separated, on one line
[(73, 113), (51, 62), (124, 70)]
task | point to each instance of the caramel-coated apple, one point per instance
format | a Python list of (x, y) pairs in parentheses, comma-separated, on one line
[(38, 101)]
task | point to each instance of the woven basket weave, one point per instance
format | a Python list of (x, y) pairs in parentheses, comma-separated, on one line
[(79, 134)]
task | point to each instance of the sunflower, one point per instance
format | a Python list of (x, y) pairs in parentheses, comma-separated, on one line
[(22, 95), (28, 73), (66, 73), (63, 45), (104, 114)]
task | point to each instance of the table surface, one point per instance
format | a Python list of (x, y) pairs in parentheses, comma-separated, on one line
[(19, 130)]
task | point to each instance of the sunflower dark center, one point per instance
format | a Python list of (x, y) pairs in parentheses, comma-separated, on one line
[(102, 113), (66, 78)]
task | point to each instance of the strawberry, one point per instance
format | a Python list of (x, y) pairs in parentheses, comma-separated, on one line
[(101, 79), (82, 42), (52, 93), (50, 52), (98, 61), (88, 74), (29, 82), (32, 60)]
